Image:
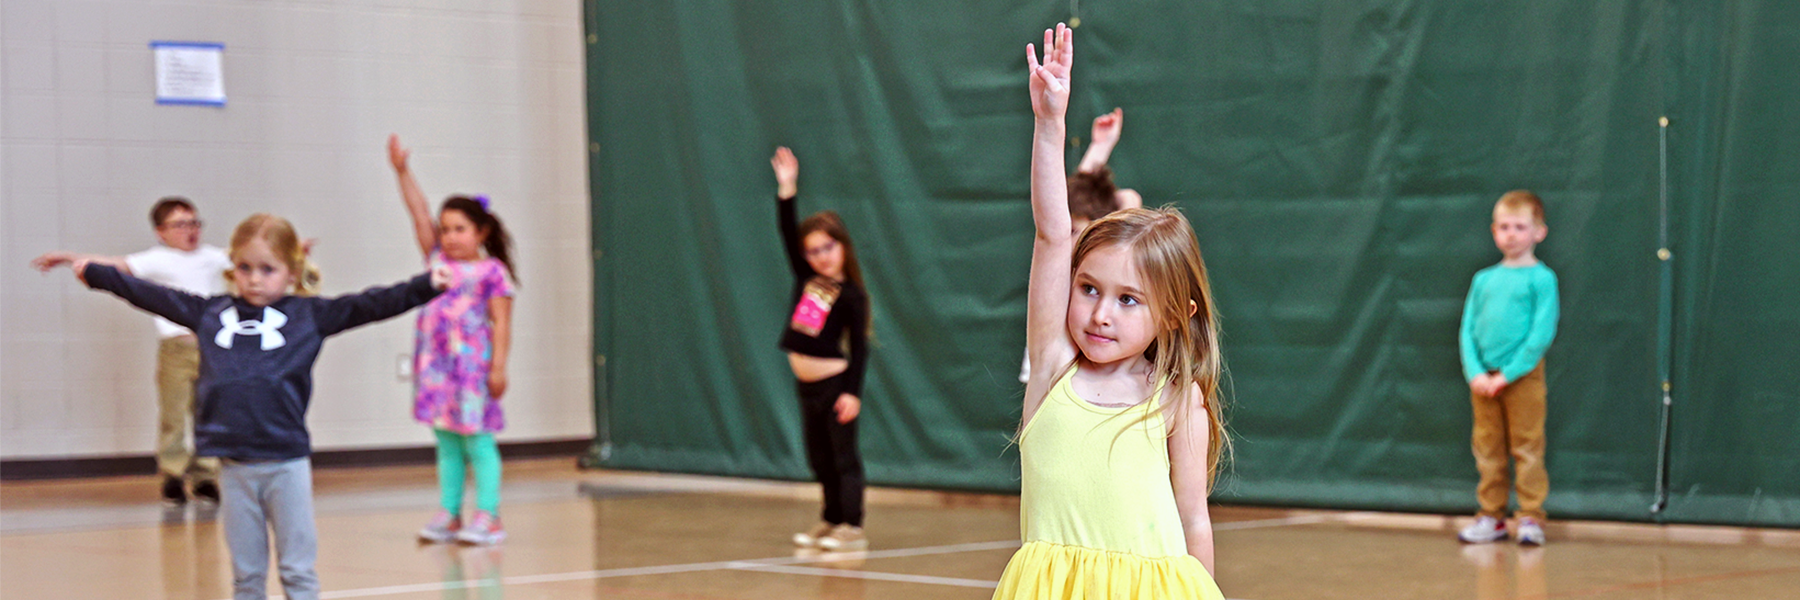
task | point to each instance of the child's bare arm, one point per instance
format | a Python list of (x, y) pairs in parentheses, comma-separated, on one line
[(57, 258), (1106, 131), (1188, 473), (500, 311), (414, 197), (1048, 296)]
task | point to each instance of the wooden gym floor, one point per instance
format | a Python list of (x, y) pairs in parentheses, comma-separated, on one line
[(578, 535)]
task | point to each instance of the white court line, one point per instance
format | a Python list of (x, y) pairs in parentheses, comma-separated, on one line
[(871, 575), (763, 564), (1258, 524)]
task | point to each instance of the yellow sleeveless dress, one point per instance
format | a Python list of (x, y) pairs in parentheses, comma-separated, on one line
[(1097, 510)]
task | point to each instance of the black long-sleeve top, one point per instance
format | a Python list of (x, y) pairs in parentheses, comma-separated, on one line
[(830, 318), (256, 362)]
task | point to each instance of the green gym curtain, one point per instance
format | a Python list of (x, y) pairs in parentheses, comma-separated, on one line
[(1339, 162)]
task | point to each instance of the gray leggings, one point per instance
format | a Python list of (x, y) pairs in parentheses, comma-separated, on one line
[(258, 496)]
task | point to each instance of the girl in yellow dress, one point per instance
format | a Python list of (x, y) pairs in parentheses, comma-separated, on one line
[(1122, 435)]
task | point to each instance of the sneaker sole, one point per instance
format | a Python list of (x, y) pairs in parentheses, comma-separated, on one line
[(851, 547), (436, 539), (487, 541), (1482, 540)]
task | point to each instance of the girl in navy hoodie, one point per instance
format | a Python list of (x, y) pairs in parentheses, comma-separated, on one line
[(257, 348)]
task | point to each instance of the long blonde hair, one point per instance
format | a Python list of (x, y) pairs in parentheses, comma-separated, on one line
[(1185, 352), (279, 234)]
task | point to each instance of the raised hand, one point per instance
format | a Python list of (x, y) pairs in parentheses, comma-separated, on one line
[(397, 154), (1050, 79), (1107, 127), (787, 172)]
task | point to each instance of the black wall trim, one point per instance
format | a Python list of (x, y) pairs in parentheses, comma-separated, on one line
[(111, 466)]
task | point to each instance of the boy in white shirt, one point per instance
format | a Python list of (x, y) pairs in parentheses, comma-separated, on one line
[(181, 262)]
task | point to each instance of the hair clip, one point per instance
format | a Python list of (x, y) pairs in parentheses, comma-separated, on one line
[(482, 199)]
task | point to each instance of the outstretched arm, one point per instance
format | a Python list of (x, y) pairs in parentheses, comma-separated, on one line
[(57, 258), (1106, 132), (179, 307), (416, 205), (379, 303), (1048, 294)]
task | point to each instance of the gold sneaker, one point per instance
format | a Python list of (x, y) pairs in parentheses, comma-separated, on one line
[(844, 538), (811, 537)]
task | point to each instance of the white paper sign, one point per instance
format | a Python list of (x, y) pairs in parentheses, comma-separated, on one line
[(190, 73)]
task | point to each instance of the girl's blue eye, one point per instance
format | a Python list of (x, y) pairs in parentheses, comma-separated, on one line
[(1128, 300)]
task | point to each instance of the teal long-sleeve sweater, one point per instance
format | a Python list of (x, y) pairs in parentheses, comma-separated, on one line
[(1508, 320)]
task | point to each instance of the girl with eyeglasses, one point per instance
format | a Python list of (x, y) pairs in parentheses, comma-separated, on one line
[(827, 346)]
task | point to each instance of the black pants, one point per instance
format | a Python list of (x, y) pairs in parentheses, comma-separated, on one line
[(831, 450)]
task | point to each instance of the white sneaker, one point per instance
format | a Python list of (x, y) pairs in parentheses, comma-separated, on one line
[(1485, 529), (1530, 532), (442, 528), (483, 530), (810, 538), (844, 538)]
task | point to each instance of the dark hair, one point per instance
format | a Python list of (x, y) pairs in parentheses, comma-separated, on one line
[(833, 225), (167, 205), (829, 222), (1093, 195), (498, 244)]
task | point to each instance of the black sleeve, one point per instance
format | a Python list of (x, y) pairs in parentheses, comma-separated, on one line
[(856, 326), (177, 306), (790, 239), (374, 304)]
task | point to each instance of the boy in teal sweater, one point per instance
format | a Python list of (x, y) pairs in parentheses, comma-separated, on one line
[(1507, 324)]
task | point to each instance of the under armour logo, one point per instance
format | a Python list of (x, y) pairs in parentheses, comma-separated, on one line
[(269, 328)]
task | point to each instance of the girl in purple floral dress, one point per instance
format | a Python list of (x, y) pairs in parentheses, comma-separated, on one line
[(465, 336)]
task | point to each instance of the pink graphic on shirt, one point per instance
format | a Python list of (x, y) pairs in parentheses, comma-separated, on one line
[(814, 306)]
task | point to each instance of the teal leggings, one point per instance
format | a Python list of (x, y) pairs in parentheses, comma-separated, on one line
[(456, 452)]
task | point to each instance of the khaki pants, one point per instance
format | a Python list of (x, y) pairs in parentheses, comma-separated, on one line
[(177, 367), (1511, 423)]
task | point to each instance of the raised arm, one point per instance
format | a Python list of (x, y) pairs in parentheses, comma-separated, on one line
[(1047, 298), (416, 206), (1106, 132), (787, 185)]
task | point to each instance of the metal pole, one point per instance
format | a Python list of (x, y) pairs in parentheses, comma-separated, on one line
[(1664, 322)]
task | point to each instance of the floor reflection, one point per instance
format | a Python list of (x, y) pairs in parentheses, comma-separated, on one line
[(1505, 572)]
